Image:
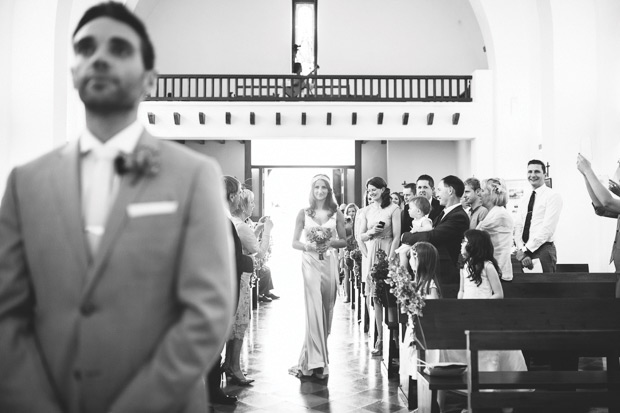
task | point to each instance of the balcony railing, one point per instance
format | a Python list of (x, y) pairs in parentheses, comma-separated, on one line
[(312, 88)]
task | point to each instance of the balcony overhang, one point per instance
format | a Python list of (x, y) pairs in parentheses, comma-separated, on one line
[(211, 107), (370, 121)]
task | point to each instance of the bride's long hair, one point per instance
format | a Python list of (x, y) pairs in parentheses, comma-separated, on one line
[(330, 202)]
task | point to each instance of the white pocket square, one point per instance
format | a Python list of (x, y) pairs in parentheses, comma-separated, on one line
[(151, 208)]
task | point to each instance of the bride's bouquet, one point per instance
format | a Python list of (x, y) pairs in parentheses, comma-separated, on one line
[(319, 236)]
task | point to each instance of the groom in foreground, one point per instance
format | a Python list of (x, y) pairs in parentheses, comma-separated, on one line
[(116, 265)]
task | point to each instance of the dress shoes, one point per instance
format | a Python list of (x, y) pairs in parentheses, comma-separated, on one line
[(264, 299), (272, 296), (219, 397), (239, 381), (378, 350)]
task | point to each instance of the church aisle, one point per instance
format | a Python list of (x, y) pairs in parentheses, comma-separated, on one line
[(273, 343)]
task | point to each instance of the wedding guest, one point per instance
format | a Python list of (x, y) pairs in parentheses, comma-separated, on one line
[(397, 199), (113, 295), (378, 226), (537, 219), (349, 228), (244, 264), (251, 246), (479, 279), (419, 208), (425, 186), (265, 280), (498, 224), (448, 228), (265, 285), (405, 218), (604, 204), (471, 197)]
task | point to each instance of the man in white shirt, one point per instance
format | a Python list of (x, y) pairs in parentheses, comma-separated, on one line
[(116, 262), (537, 218)]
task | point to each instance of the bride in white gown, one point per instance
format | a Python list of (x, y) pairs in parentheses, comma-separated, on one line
[(320, 272)]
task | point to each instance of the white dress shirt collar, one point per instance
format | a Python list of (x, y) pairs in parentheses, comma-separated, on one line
[(447, 210), (125, 140)]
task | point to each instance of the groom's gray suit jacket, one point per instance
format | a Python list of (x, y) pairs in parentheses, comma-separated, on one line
[(133, 328)]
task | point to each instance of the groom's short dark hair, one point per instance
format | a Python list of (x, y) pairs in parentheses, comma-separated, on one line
[(118, 11)]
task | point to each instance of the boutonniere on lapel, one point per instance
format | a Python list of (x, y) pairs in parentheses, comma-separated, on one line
[(143, 161)]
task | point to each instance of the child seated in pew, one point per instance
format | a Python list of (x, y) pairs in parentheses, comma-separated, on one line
[(480, 278)]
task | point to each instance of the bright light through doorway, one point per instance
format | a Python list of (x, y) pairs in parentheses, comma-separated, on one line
[(287, 191)]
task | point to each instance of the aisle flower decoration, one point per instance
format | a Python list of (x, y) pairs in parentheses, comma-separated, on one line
[(356, 256), (320, 236), (404, 288), (379, 274)]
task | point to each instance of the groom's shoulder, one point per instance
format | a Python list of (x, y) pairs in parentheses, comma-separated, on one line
[(43, 162)]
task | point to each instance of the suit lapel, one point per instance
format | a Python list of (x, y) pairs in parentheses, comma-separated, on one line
[(128, 192), (66, 181)]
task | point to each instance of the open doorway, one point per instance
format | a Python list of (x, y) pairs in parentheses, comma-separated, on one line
[(285, 191)]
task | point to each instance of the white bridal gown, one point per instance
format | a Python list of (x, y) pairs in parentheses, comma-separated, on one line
[(320, 288)]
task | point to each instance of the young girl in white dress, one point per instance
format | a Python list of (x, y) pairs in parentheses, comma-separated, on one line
[(480, 278), (319, 267)]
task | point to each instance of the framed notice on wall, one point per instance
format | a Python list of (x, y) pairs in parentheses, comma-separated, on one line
[(517, 188)]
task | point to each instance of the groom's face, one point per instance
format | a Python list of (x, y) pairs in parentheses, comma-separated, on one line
[(108, 70)]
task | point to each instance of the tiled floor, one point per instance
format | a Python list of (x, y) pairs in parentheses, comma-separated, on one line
[(272, 345), (357, 382)]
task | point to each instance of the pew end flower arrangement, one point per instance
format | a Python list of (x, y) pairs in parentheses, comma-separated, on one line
[(405, 289), (379, 274), (356, 256)]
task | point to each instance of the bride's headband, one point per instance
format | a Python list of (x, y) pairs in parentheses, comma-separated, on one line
[(321, 177)]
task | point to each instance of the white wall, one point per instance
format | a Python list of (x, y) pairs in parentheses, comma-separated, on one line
[(399, 37), (374, 163), (355, 36), (406, 160), (221, 37), (230, 155), (27, 79)]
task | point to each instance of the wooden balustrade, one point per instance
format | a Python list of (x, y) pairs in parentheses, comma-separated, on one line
[(312, 88)]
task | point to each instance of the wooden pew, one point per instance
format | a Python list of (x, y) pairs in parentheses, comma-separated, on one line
[(545, 390), (553, 285), (444, 323), (545, 285)]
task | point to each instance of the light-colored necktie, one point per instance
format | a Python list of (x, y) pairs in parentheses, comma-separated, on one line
[(100, 194)]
